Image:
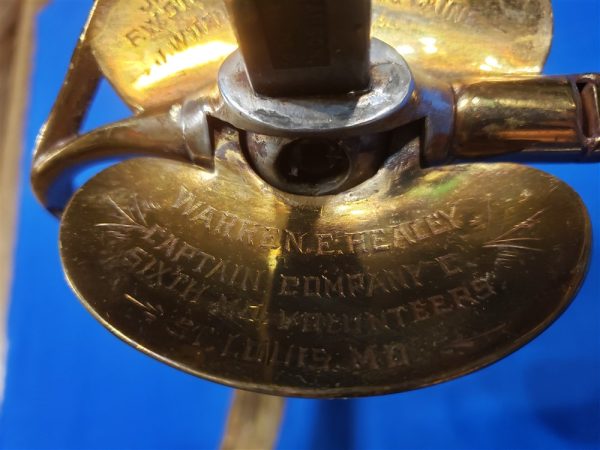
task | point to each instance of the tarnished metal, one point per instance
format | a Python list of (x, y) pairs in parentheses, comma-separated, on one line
[(348, 114), (323, 246), (317, 166), (157, 52), (408, 280), (543, 117)]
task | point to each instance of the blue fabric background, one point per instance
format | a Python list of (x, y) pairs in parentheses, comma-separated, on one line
[(72, 385)]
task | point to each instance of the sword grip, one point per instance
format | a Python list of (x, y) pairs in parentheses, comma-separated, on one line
[(304, 47)]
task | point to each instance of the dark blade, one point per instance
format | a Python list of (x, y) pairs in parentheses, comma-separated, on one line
[(304, 47)]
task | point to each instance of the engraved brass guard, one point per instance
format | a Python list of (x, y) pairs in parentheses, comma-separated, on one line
[(415, 277), (156, 55)]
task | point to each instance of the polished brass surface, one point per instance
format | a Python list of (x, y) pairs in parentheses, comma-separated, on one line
[(54, 168), (553, 115), (497, 117), (415, 277), (544, 118), (417, 271), (156, 52), (458, 38), (71, 105)]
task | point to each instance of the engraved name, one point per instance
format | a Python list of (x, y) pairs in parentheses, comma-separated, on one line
[(237, 229)]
